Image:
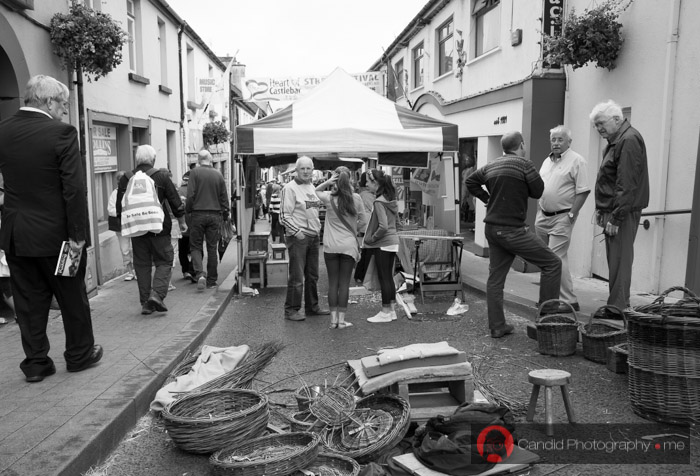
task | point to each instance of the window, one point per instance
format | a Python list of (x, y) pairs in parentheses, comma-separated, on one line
[(418, 66), (445, 47), (190, 73), (163, 53), (398, 83), (487, 25), (94, 4), (133, 29)]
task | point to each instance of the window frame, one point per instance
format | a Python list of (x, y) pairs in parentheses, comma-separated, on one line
[(480, 10), (399, 86), (443, 65), (417, 60)]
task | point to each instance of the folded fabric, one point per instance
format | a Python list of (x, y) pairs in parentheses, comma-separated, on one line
[(370, 385), (415, 351), (213, 362), (372, 367)]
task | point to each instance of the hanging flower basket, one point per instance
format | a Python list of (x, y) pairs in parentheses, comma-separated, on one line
[(87, 39), (595, 36)]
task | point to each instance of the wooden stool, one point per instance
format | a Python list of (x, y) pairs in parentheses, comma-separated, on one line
[(549, 378), (256, 275)]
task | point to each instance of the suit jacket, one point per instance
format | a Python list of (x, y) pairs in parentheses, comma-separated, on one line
[(45, 194)]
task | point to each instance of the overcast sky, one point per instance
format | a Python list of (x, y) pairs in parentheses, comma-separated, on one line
[(298, 37)]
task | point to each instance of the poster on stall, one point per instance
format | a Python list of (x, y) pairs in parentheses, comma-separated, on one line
[(400, 186), (428, 179)]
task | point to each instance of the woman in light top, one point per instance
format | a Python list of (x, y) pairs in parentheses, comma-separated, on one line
[(345, 218)]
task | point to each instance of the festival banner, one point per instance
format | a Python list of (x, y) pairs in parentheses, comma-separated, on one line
[(290, 88)]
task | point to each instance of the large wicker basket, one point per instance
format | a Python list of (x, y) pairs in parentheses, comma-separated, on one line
[(332, 465), (557, 334), (205, 422), (596, 337), (664, 360), (272, 455), (394, 405)]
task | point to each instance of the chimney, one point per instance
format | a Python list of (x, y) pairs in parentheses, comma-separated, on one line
[(237, 74)]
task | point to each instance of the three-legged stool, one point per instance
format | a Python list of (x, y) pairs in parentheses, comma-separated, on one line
[(549, 378)]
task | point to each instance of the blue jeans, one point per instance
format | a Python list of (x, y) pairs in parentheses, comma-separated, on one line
[(150, 250), (303, 274), (339, 267), (505, 243), (205, 227)]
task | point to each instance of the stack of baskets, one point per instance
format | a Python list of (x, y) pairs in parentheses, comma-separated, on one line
[(596, 337), (664, 359), (386, 435), (557, 334), (208, 421)]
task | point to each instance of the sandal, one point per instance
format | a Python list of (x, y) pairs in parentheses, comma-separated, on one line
[(343, 325)]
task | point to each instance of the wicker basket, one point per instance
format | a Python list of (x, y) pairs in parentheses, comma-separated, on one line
[(332, 465), (598, 336), (272, 455), (305, 421), (305, 395), (333, 406), (664, 362), (205, 422), (400, 412), (557, 334)]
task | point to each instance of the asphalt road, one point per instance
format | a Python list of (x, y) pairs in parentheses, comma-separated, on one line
[(315, 354)]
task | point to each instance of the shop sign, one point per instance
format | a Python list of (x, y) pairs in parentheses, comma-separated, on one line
[(553, 10), (291, 88), (206, 85), (104, 148)]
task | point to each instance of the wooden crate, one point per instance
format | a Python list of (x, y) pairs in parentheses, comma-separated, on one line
[(258, 241), (279, 251), (255, 269), (277, 273), (617, 359), (431, 396)]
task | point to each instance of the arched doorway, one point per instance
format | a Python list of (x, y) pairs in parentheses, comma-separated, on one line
[(13, 70)]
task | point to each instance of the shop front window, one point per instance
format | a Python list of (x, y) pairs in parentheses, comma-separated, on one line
[(487, 25)]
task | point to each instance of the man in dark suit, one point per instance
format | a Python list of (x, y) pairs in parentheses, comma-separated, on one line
[(45, 204)]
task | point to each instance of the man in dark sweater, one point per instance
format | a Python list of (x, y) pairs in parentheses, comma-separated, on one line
[(510, 180), (207, 201)]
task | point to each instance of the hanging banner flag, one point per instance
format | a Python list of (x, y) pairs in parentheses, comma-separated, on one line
[(290, 88), (428, 179)]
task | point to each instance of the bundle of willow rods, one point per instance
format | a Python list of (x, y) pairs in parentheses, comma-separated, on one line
[(492, 394)]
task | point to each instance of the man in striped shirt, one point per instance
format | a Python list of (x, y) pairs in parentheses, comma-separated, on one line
[(510, 180), (299, 215)]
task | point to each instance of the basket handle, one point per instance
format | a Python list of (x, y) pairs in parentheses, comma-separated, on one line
[(541, 306), (612, 307), (678, 288)]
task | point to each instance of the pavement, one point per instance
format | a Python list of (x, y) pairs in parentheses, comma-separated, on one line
[(72, 421)]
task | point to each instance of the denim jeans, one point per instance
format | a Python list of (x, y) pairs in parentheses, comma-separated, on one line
[(303, 274), (151, 251), (205, 227), (505, 243)]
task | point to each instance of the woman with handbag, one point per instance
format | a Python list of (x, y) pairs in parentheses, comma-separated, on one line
[(345, 215), (382, 239)]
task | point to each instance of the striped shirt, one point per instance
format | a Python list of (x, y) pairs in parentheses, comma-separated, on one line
[(509, 180), (275, 202)]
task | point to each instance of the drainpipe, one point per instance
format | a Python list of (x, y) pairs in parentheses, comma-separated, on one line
[(666, 125), (180, 31)]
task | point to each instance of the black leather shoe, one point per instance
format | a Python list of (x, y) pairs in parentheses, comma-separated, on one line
[(41, 375), (505, 330), (157, 303), (318, 312), (563, 308), (95, 357), (294, 316), (146, 309)]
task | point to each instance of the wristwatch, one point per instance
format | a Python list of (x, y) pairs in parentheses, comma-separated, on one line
[(571, 215)]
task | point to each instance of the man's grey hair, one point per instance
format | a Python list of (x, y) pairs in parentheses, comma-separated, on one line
[(560, 129), (606, 109), (303, 158), (145, 154), (204, 156), (42, 89)]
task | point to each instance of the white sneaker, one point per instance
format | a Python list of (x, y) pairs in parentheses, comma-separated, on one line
[(171, 287), (380, 317), (129, 277), (393, 315)]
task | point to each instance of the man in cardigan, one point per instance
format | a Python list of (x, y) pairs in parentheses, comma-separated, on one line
[(510, 180), (299, 215)]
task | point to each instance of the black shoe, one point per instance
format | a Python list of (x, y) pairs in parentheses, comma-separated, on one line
[(294, 316), (188, 276), (212, 285), (318, 312), (41, 375), (505, 330), (95, 357), (157, 303), (564, 309), (146, 309)]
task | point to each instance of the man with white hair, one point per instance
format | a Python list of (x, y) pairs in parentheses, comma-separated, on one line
[(565, 176), (621, 193), (154, 249), (299, 215)]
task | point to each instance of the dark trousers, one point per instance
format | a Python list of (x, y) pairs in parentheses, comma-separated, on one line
[(339, 267), (149, 251), (361, 266), (183, 254), (206, 227), (33, 284), (505, 243), (620, 253), (384, 261), (303, 274)]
